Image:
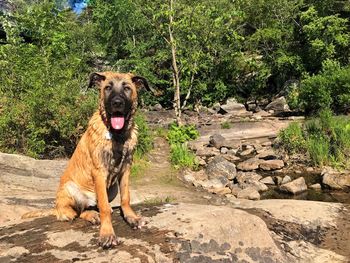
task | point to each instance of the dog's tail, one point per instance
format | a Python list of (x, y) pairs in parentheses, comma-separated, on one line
[(40, 213)]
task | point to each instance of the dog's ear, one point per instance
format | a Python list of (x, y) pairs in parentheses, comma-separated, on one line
[(95, 79), (140, 82)]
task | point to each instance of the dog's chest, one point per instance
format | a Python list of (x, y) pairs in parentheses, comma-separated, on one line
[(115, 159)]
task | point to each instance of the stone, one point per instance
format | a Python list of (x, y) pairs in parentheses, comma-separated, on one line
[(217, 141), (248, 193), (309, 169), (232, 107), (267, 180), (250, 179), (295, 187), (286, 179), (223, 150), (267, 155), (248, 151), (189, 178), (200, 161), (235, 189), (157, 107), (278, 180), (214, 183), (268, 165), (278, 105), (266, 144), (249, 165), (207, 152), (219, 166), (27, 166), (220, 191), (334, 179), (315, 186)]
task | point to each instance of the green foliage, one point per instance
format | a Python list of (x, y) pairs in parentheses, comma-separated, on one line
[(145, 138), (43, 108), (326, 139), (181, 134), (292, 138), (225, 125), (329, 89), (180, 155)]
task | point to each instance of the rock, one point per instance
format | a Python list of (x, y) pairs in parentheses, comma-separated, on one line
[(200, 161), (278, 105), (296, 186), (220, 191), (234, 189), (260, 114), (196, 175), (207, 152), (189, 178), (232, 107), (27, 166), (223, 150), (248, 151), (266, 144), (278, 180), (216, 107), (249, 165), (309, 169), (157, 107), (219, 166), (214, 183), (248, 193), (334, 179), (286, 179), (315, 186), (217, 141), (267, 180), (267, 155), (271, 165), (250, 179)]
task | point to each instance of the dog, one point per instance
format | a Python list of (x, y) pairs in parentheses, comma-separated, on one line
[(102, 159)]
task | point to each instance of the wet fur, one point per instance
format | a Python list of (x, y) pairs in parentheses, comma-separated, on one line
[(98, 166)]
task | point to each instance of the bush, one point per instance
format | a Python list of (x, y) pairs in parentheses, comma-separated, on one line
[(225, 125), (145, 138), (329, 89), (292, 138), (180, 155), (326, 139)]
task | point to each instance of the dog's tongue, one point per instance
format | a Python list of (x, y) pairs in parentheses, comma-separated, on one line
[(117, 123)]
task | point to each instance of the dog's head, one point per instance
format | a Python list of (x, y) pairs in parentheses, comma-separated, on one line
[(118, 97)]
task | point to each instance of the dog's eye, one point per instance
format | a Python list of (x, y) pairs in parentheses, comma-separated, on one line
[(108, 88), (127, 88)]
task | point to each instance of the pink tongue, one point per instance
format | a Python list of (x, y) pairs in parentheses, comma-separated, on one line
[(117, 123)]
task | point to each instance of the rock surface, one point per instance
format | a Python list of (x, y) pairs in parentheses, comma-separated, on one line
[(269, 165), (295, 187), (278, 105), (219, 166), (249, 165), (335, 180)]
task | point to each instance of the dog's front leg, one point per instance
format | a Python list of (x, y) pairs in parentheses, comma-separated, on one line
[(130, 216), (107, 236)]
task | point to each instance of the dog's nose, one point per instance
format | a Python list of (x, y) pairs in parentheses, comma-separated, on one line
[(118, 103)]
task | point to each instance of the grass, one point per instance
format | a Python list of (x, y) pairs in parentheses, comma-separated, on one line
[(225, 125), (326, 139), (159, 201), (180, 155)]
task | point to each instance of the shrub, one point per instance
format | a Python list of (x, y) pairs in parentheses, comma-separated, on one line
[(292, 138), (145, 138), (326, 139), (180, 155), (225, 125)]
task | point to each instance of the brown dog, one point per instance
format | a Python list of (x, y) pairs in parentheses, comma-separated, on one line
[(102, 159)]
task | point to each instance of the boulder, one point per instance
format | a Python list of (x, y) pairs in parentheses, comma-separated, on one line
[(286, 179), (207, 152), (27, 166), (248, 193), (295, 187), (267, 154), (247, 152), (249, 165), (267, 180), (217, 141), (268, 165), (334, 179), (219, 166), (278, 105), (232, 107), (315, 186)]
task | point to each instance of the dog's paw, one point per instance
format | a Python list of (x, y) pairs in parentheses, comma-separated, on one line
[(108, 241), (92, 216), (136, 222)]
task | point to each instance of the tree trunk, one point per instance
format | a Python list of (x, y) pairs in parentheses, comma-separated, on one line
[(176, 80)]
